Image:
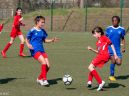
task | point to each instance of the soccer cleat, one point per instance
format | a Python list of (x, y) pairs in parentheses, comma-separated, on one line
[(101, 86), (89, 84), (45, 83), (3, 54), (40, 82), (112, 78), (22, 55)]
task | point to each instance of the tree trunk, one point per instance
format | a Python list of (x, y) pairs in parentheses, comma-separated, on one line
[(82, 3)]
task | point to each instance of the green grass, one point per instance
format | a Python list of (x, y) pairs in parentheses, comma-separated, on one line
[(69, 56)]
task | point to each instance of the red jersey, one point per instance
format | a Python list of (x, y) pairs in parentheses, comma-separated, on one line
[(16, 26), (102, 45), (1, 27), (16, 22), (103, 53)]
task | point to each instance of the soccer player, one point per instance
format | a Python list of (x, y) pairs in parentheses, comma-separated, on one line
[(102, 56), (16, 32), (1, 27), (35, 39), (116, 34)]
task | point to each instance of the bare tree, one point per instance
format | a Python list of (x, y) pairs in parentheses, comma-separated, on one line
[(82, 3)]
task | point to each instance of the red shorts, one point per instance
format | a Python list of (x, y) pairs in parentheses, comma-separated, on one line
[(15, 32), (100, 60), (36, 56)]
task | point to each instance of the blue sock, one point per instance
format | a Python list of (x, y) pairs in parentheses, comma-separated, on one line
[(112, 69)]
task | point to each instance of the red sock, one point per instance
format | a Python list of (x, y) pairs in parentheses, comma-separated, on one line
[(90, 77), (97, 77), (7, 47), (43, 74), (21, 48), (48, 68)]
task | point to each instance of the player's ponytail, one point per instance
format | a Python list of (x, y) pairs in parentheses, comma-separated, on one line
[(38, 18), (98, 30)]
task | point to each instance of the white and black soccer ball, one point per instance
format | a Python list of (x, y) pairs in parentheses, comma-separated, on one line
[(67, 79)]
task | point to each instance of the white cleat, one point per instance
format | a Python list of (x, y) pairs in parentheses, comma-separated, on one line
[(101, 86), (45, 83), (40, 82)]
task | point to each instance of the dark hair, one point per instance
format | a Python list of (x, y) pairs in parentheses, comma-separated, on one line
[(98, 30), (117, 17), (38, 18), (18, 8)]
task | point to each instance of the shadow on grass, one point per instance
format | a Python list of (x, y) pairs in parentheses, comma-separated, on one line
[(71, 88), (122, 77), (54, 81), (16, 57), (29, 56), (7, 80), (114, 85), (109, 85)]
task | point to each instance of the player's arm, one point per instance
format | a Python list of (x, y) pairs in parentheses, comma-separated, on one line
[(28, 44), (28, 38), (123, 44), (114, 51), (21, 23), (51, 40), (93, 50)]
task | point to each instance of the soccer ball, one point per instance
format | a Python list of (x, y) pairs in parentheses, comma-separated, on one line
[(67, 79)]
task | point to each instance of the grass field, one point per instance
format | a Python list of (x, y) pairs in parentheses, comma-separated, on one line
[(69, 56)]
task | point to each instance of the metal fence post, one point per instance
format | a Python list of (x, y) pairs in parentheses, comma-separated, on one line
[(86, 15), (121, 10), (52, 15)]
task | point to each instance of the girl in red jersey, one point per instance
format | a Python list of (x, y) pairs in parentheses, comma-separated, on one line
[(16, 32), (35, 40), (101, 58), (1, 27)]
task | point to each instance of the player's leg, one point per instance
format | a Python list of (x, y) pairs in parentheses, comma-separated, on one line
[(112, 69), (96, 76), (3, 52), (21, 45), (90, 78), (95, 73), (47, 60), (42, 79)]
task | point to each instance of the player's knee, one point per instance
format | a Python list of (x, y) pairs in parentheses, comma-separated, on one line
[(22, 41), (11, 42), (90, 67), (43, 62), (119, 64)]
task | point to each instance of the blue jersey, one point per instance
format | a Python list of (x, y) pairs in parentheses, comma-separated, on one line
[(115, 35), (36, 38)]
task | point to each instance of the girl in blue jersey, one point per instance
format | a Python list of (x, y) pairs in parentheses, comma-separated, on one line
[(35, 38), (116, 34)]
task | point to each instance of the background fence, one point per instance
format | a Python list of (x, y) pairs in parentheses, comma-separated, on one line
[(75, 15)]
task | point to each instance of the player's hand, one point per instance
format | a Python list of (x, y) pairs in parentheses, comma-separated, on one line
[(116, 57), (55, 39), (22, 24), (89, 48), (30, 46), (21, 19)]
